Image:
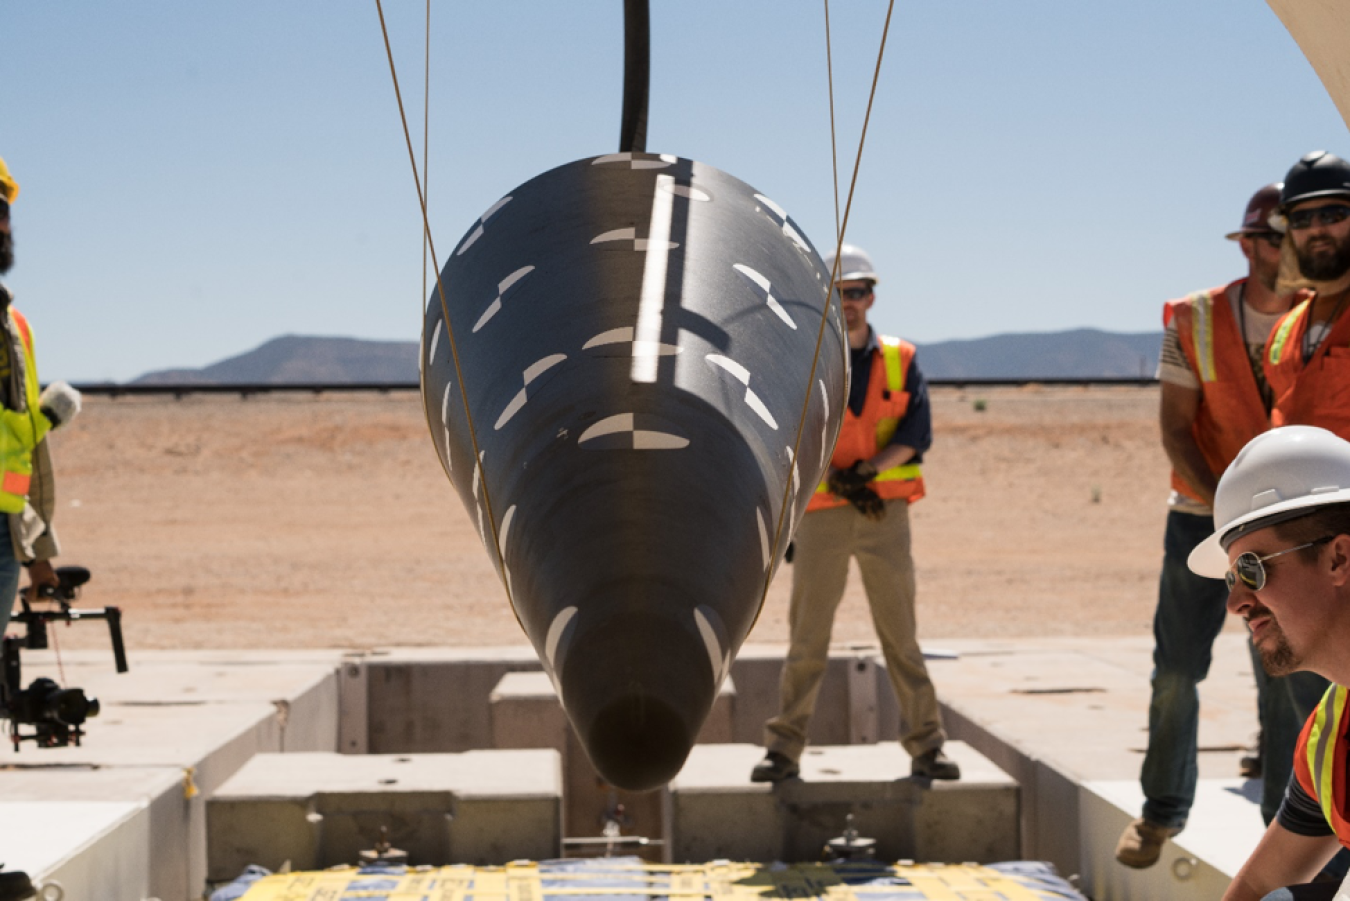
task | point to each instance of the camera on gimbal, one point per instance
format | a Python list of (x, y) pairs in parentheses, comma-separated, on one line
[(56, 714)]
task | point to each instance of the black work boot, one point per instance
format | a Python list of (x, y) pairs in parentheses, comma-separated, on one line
[(935, 765), (774, 767)]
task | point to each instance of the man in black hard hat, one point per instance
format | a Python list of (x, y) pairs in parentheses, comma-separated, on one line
[(1308, 356), (1213, 400)]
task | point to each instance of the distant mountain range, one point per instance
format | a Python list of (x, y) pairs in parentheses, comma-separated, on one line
[(302, 359)]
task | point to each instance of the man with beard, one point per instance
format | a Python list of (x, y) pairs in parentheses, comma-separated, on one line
[(862, 511), (1214, 400), (1282, 543), (1308, 356)]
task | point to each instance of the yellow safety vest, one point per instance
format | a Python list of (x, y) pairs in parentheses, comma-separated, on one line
[(21, 429)]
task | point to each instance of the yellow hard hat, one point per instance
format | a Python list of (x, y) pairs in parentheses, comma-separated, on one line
[(8, 186)]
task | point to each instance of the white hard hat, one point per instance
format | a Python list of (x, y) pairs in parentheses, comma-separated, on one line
[(854, 263), (1280, 475)]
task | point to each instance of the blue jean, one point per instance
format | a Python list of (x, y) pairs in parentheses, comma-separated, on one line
[(9, 574), (1190, 614)]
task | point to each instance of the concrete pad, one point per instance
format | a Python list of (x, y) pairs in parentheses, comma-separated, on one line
[(1068, 717), (171, 731), (717, 812), (1198, 863), (318, 810)]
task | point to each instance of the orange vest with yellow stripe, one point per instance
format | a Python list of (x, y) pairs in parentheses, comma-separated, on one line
[(862, 436), (1231, 411), (20, 429), (1312, 391), (1319, 759)]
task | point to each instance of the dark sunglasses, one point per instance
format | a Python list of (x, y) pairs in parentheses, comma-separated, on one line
[(4, 208), (1250, 569), (855, 293), (1324, 215), (1274, 239)]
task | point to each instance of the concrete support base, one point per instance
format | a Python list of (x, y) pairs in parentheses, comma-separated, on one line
[(717, 812), (320, 810)]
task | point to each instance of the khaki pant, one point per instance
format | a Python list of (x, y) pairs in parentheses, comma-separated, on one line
[(824, 542)]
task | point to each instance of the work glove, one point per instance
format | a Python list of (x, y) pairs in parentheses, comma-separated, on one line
[(60, 403), (867, 502), (843, 482)]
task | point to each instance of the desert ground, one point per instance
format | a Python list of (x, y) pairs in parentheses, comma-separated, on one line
[(299, 520)]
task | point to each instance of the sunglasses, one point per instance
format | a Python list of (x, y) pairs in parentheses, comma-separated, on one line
[(1274, 239), (4, 208), (1323, 215), (855, 293), (1250, 569)]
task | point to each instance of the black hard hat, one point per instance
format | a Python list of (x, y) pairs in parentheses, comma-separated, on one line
[(1256, 218), (1318, 174)]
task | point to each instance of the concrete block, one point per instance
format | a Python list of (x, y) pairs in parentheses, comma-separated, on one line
[(715, 811), (425, 703), (320, 810)]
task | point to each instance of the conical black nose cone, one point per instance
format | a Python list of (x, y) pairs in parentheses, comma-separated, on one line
[(638, 742)]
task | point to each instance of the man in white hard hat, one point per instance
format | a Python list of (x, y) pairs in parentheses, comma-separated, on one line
[(1214, 399), (861, 511), (1282, 542)]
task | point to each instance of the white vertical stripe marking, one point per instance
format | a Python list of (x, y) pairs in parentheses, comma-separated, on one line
[(653, 298)]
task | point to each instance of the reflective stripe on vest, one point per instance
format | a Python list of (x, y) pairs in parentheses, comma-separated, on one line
[(1282, 332), (20, 430), (886, 426), (1202, 334), (1327, 724)]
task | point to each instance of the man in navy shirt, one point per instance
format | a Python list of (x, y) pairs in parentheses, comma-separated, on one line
[(861, 511)]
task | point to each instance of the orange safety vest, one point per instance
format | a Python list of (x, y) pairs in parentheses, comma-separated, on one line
[(1319, 760), (21, 428), (1231, 411), (862, 436), (1315, 391)]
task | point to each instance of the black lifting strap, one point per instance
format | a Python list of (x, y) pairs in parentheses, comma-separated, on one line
[(636, 75)]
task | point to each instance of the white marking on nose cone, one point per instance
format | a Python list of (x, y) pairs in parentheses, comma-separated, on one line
[(633, 162), (742, 375), (710, 642), (478, 229), (687, 191), (629, 234), (478, 472), (763, 537), (824, 420), (769, 299), (555, 633), (642, 439), (506, 526), (796, 486), (435, 339), (502, 287), (639, 348), (501, 544), (781, 217), (538, 368), (653, 297), (445, 425), (613, 336), (782, 213)]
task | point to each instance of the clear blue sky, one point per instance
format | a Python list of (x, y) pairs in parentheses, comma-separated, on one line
[(200, 177)]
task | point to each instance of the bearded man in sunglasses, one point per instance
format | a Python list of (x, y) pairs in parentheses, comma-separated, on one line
[(1214, 399), (1308, 355), (862, 511), (1282, 543)]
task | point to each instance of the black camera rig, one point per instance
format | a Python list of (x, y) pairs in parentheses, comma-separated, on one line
[(56, 714)]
